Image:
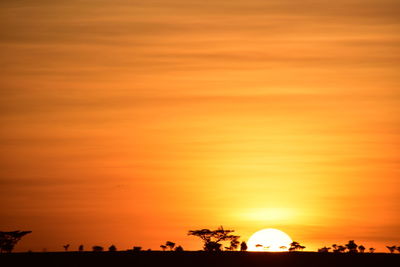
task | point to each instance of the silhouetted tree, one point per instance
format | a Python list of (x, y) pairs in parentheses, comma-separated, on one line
[(361, 248), (170, 245), (351, 246), (283, 247), (243, 246), (97, 248), (163, 247), (234, 244), (371, 250), (392, 248), (212, 239), (294, 246), (112, 248), (398, 249), (66, 247), (80, 249), (8, 240), (179, 248), (324, 250), (341, 249), (135, 249)]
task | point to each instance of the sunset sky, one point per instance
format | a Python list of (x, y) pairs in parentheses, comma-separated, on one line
[(131, 122)]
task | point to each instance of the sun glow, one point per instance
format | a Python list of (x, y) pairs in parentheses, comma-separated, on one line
[(269, 240)]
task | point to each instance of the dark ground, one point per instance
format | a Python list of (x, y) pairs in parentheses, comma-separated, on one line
[(198, 258)]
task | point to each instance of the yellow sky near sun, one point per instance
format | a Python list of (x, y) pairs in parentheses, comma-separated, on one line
[(131, 122)]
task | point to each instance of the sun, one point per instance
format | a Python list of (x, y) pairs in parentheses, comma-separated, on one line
[(269, 240)]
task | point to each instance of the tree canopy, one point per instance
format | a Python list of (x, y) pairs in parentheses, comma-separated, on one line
[(8, 240), (212, 238)]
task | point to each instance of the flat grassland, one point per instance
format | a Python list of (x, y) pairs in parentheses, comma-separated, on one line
[(196, 258)]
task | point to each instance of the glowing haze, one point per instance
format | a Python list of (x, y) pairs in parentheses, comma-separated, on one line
[(132, 122)]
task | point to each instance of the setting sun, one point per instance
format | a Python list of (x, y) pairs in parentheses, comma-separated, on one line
[(269, 240)]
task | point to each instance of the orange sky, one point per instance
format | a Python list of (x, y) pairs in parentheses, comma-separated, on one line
[(132, 122)]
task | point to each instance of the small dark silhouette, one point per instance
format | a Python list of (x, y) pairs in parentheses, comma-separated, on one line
[(398, 249), (324, 250), (179, 248), (97, 248), (259, 246), (163, 247), (8, 240), (361, 248), (295, 246), (371, 250), (170, 245), (81, 248), (283, 247), (112, 248), (352, 246), (66, 247), (392, 249), (243, 246), (213, 238), (135, 249)]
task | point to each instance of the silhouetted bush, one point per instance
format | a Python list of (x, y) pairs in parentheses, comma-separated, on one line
[(243, 246), (338, 248), (97, 248), (324, 250), (112, 248), (179, 248)]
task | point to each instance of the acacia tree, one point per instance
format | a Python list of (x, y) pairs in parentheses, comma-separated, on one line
[(234, 244), (170, 245), (361, 248), (212, 239), (8, 240), (294, 246), (371, 250), (391, 249), (66, 247)]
